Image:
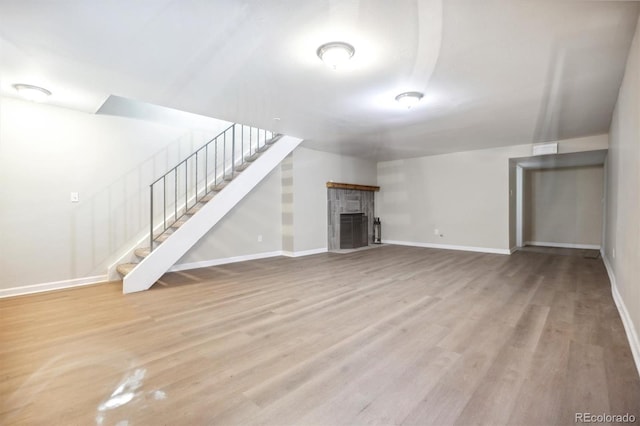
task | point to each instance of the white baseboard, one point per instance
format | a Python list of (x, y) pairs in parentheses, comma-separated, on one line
[(305, 252), (513, 249), (448, 247), (223, 261), (563, 245), (77, 282), (55, 285), (632, 334), (234, 259)]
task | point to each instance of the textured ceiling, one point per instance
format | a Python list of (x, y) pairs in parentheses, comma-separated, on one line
[(494, 72)]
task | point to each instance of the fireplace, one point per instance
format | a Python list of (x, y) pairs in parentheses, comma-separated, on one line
[(354, 199), (354, 230)]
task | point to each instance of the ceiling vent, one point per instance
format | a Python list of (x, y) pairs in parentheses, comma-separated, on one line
[(545, 148)]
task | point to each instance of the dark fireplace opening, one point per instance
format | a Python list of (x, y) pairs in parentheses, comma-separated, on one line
[(354, 230)]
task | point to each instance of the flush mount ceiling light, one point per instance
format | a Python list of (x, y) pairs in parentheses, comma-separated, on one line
[(336, 53), (409, 99), (32, 93)]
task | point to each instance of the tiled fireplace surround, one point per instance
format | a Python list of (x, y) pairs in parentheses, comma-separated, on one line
[(347, 201)]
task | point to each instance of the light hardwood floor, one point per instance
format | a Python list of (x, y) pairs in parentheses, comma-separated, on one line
[(396, 335)]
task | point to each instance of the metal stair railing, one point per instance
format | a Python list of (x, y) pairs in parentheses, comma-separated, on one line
[(177, 191)]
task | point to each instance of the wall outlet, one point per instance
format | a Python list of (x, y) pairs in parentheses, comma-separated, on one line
[(259, 238), (75, 197)]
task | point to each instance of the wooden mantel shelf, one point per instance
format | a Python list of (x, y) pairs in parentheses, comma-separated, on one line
[(353, 186)]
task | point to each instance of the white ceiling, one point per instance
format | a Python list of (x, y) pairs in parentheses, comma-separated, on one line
[(494, 72)]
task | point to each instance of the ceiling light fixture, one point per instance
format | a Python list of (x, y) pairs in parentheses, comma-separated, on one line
[(409, 99), (336, 53), (32, 93)]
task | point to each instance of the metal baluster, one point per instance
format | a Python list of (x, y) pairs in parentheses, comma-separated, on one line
[(215, 165), (175, 171), (151, 221), (233, 150), (242, 143), (186, 180), (196, 199), (206, 169)]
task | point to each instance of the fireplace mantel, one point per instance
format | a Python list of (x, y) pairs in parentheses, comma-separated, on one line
[(353, 186)]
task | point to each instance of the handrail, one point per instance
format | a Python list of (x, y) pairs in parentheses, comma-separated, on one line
[(194, 153), (223, 168)]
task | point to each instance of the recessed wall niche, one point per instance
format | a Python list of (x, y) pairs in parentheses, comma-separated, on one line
[(348, 198)]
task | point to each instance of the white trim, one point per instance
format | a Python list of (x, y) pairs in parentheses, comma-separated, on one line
[(448, 247), (519, 205), (629, 328), (77, 282), (513, 249), (223, 261), (305, 252), (563, 245), (55, 285)]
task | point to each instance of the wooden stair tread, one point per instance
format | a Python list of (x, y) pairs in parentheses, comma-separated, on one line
[(252, 157), (274, 139), (232, 176), (162, 237), (242, 166), (196, 208), (178, 223), (124, 268), (142, 251), (220, 186), (206, 198)]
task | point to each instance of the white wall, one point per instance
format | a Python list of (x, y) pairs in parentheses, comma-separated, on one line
[(311, 172), (47, 152), (288, 209), (465, 196), (258, 215), (622, 219), (564, 206)]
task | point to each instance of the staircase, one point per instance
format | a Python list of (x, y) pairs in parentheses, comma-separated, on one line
[(191, 198)]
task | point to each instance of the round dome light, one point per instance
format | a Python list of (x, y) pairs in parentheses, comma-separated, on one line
[(32, 93), (336, 53), (409, 99)]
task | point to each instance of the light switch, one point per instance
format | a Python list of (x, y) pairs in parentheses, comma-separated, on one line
[(75, 197)]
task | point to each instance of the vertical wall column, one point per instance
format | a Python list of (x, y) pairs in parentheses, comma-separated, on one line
[(286, 169)]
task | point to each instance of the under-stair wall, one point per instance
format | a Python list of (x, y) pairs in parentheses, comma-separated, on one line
[(154, 265), (189, 181)]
